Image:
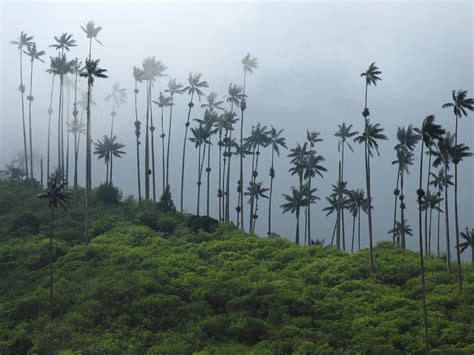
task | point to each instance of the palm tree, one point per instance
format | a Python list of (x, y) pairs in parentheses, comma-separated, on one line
[(56, 197), (372, 134), (249, 65), (461, 104), (356, 202), (163, 101), (174, 88), (371, 76), (115, 151), (91, 32), (64, 42), (138, 77), (255, 191), (431, 202), (293, 205), (200, 139), (430, 132), (276, 141), (468, 237), (210, 119), (259, 137), (77, 128), (23, 41), (152, 69), (438, 180), (91, 71), (194, 87), (312, 167), (401, 229), (404, 160), (50, 112), (102, 150), (34, 54), (298, 157), (228, 144), (343, 134), (77, 68)]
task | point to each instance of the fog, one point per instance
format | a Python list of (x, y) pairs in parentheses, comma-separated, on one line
[(310, 58)]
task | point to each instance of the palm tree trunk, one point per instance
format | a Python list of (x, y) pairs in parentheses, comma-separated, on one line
[(402, 210), (22, 90), (297, 236), (395, 208), (223, 181), (51, 264), (338, 210), (88, 161), (61, 79), (423, 296), (353, 232), (30, 99), (251, 198), (241, 176), (420, 194), (333, 233), (50, 112), (137, 133), (208, 171), (67, 136), (272, 172), (220, 175), (41, 172), (358, 230), (439, 217), (163, 150), (227, 200), (427, 248), (309, 213), (190, 105), (369, 209), (446, 216), (199, 181), (169, 142), (429, 232), (147, 145), (152, 130), (341, 203), (76, 153), (456, 216)]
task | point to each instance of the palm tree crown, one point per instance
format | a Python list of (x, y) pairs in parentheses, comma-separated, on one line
[(64, 41), (371, 74), (460, 103), (92, 31), (92, 70)]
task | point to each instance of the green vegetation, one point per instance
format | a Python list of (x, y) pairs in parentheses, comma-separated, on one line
[(156, 282)]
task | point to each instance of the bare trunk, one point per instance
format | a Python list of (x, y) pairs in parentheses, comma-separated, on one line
[(190, 105), (395, 209), (272, 172), (30, 99), (456, 215), (446, 217)]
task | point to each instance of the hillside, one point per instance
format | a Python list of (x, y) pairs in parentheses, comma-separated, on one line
[(148, 282)]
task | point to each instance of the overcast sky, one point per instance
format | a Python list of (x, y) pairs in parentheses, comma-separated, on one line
[(310, 58)]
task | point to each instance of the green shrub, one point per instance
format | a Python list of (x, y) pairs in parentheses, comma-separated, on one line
[(204, 223), (108, 193)]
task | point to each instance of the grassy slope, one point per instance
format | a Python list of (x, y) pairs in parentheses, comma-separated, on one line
[(136, 290)]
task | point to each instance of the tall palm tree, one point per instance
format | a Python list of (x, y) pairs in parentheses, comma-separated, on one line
[(255, 191), (438, 180), (91, 31), (429, 132), (401, 230), (343, 134), (298, 157), (91, 71), (200, 139), (50, 113), (371, 76), (356, 202), (77, 68), (293, 204), (312, 167), (23, 41), (431, 202), (152, 69), (77, 128), (461, 104), (57, 196), (468, 237), (138, 77), (209, 120), (115, 152), (276, 141), (102, 150), (259, 138), (163, 101), (174, 88), (64, 42), (194, 88), (372, 134), (228, 144), (34, 54), (249, 65)]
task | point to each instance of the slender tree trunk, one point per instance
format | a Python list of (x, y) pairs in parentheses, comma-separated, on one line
[(333, 233), (353, 232), (61, 80), (51, 265), (30, 99), (163, 150), (50, 112), (297, 236), (446, 216), (208, 171), (338, 210), (190, 105), (152, 130), (395, 208), (227, 200), (456, 215), (439, 217), (147, 145), (76, 155), (220, 175), (251, 180), (88, 161), (41, 171), (309, 213), (241, 176), (169, 142), (358, 230), (423, 292), (137, 136), (420, 194), (427, 248), (223, 180), (402, 210), (429, 232), (22, 90), (199, 181), (272, 172), (342, 204)]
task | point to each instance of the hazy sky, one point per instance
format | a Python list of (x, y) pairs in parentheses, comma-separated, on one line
[(310, 56)]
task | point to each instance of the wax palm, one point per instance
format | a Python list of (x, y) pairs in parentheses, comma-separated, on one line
[(401, 228), (255, 191), (370, 137), (77, 128), (209, 121), (64, 42), (195, 86), (163, 101), (276, 141), (356, 202), (76, 70), (103, 152), (229, 143), (431, 202), (34, 54), (468, 237), (293, 204), (91, 31), (438, 181), (298, 156), (174, 88), (23, 41), (200, 139), (57, 196), (118, 96), (212, 103), (138, 75)]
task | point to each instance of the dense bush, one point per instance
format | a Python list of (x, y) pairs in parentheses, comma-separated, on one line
[(155, 283), (108, 193)]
